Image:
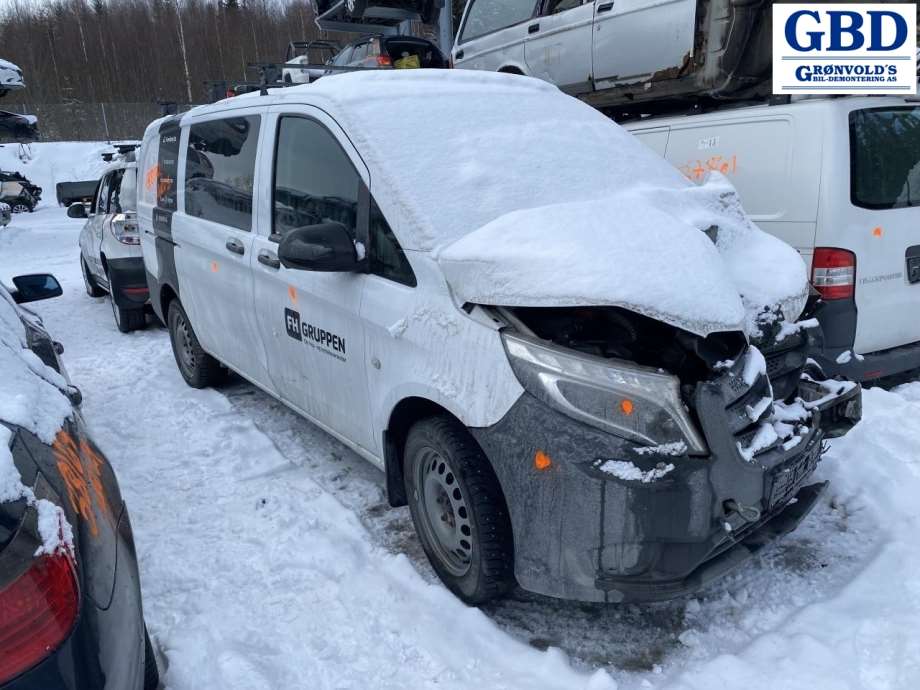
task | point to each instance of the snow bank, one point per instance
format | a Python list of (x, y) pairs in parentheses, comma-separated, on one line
[(46, 164), (30, 397), (530, 196)]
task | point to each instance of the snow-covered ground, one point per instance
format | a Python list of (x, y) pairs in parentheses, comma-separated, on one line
[(270, 559)]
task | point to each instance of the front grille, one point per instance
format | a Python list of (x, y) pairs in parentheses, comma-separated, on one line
[(785, 362)]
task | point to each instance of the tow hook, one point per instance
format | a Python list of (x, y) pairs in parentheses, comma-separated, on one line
[(747, 513)]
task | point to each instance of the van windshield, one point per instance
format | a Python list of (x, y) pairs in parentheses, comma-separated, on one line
[(885, 157)]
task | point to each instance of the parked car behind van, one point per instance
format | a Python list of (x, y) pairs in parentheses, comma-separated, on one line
[(389, 52), (545, 348), (624, 53), (110, 251), (839, 180)]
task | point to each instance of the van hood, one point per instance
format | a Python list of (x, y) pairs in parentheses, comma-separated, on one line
[(686, 256)]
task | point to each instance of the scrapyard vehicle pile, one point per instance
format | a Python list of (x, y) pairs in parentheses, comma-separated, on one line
[(591, 411)]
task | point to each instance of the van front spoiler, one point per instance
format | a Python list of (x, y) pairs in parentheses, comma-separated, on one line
[(723, 559)]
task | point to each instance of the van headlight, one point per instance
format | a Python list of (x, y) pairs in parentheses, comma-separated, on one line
[(637, 403)]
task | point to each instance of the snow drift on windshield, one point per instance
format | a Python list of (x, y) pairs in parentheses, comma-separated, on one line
[(583, 213)]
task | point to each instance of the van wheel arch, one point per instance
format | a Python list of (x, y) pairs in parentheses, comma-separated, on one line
[(167, 295), (508, 69), (404, 415)]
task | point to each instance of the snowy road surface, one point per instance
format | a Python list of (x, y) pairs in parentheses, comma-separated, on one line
[(269, 558)]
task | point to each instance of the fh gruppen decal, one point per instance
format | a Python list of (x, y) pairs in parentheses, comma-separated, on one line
[(318, 338)]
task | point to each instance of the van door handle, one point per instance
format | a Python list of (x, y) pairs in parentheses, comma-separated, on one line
[(533, 28), (235, 246), (606, 7), (269, 259)]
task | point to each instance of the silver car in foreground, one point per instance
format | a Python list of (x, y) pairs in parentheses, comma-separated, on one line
[(5, 215)]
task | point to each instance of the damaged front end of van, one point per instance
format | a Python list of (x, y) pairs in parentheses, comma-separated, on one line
[(671, 420)]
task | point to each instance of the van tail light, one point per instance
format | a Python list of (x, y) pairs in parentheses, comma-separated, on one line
[(124, 228), (384, 61), (37, 612), (833, 273)]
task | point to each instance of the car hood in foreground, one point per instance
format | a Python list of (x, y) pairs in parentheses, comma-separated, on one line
[(688, 257)]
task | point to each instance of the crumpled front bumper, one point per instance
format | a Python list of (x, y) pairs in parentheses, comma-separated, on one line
[(583, 533)]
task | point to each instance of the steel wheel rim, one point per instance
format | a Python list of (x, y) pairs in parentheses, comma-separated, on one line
[(444, 513), (184, 344), (20, 208)]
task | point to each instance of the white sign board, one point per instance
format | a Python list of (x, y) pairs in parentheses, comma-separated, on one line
[(845, 48)]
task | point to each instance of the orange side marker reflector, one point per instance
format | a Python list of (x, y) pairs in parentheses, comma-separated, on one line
[(292, 293), (214, 267), (627, 407), (541, 461), (877, 232)]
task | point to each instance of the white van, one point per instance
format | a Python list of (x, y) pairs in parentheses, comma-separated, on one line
[(544, 347), (838, 179)]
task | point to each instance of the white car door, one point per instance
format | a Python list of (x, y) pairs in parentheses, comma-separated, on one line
[(213, 231), (558, 48), (97, 224), (492, 34), (633, 39), (310, 321)]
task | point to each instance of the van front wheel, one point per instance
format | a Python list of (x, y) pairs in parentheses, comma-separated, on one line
[(198, 368), (459, 510)]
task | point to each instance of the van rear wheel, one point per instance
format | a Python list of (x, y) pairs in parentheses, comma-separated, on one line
[(127, 320), (198, 368), (459, 511)]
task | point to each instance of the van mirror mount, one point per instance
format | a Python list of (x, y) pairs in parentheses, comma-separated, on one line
[(327, 247)]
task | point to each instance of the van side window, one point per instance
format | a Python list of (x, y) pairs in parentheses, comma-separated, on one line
[(557, 6), (219, 170), (102, 198), (486, 16), (385, 257), (315, 181), (168, 166), (115, 191)]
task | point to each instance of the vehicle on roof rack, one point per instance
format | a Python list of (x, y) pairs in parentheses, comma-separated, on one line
[(10, 78), (620, 54), (382, 12), (389, 52), (307, 58)]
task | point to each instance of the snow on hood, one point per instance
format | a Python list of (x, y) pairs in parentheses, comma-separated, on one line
[(32, 397), (643, 249), (528, 196)]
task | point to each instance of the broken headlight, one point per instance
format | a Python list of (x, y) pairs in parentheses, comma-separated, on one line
[(634, 402)]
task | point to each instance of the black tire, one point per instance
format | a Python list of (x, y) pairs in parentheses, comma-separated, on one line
[(446, 472), (151, 672), (92, 289), (198, 368), (127, 320)]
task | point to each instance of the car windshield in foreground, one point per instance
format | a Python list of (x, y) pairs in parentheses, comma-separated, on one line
[(885, 157)]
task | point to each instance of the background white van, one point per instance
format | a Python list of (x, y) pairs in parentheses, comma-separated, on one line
[(837, 178)]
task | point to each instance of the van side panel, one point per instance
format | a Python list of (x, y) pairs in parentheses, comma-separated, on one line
[(775, 170)]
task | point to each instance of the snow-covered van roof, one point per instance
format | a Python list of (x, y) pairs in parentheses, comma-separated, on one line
[(528, 196)]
